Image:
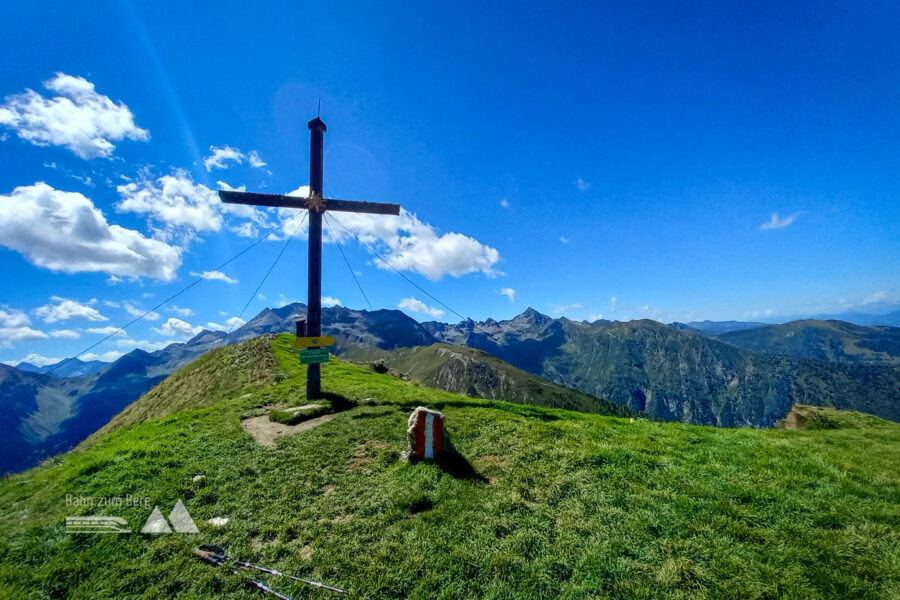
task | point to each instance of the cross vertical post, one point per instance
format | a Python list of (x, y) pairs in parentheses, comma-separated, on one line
[(314, 288)]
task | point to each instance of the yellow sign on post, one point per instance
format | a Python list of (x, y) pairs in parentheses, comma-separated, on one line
[(314, 342)]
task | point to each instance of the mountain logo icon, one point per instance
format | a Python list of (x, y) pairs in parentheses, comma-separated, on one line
[(179, 518)]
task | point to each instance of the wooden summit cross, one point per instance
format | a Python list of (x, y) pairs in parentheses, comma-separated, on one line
[(316, 204)]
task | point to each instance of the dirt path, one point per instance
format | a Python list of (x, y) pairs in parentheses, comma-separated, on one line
[(265, 431)]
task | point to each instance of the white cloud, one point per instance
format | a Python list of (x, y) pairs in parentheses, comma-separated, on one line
[(14, 328), (34, 359), (143, 344), (328, 301), (595, 317), (224, 186), (760, 313), (300, 192), (68, 334), (561, 308), (245, 230), (283, 301), (880, 296), (778, 223), (581, 184), (414, 305), (13, 318), (66, 309), (504, 203), (416, 246), (613, 302), (650, 312), (509, 293), (173, 200), (77, 117), (105, 357), (178, 328), (135, 311), (105, 330), (255, 160), (214, 275), (220, 156), (564, 239), (181, 312), (64, 231), (112, 304), (12, 335), (230, 324)]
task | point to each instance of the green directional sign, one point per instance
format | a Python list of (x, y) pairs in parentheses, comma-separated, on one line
[(314, 355)]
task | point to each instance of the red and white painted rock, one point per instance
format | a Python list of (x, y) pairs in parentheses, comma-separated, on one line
[(427, 435)]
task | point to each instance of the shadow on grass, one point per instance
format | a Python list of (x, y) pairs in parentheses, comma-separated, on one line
[(338, 403), (522, 410), (376, 413), (455, 465)]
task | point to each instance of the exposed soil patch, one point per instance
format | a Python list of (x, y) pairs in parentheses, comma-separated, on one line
[(265, 431), (360, 458), (306, 552), (363, 453), (490, 462), (338, 520), (259, 544)]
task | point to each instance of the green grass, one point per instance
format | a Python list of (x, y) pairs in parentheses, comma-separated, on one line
[(557, 504), (805, 416), (292, 417)]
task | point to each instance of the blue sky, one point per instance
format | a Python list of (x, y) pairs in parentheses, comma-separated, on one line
[(623, 160)]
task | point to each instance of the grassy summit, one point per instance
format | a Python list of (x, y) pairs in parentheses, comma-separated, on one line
[(556, 504)]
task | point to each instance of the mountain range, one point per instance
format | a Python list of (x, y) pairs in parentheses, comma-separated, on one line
[(68, 367), (822, 340), (735, 377), (681, 375), (477, 374)]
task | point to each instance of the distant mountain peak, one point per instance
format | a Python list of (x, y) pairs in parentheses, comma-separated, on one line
[(532, 316), (67, 367), (27, 366), (207, 335)]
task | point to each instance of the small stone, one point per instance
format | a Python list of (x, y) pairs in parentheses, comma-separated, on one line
[(218, 521), (427, 435), (198, 478)]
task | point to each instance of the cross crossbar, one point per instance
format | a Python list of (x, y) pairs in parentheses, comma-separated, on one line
[(375, 208)]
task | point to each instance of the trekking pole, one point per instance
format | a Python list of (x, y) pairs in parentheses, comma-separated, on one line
[(219, 560), (219, 553)]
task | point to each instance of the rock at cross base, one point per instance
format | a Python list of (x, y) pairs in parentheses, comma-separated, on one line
[(427, 434)]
